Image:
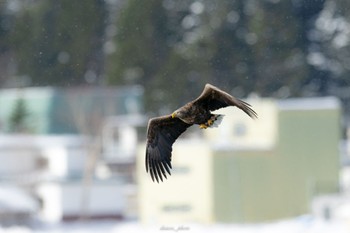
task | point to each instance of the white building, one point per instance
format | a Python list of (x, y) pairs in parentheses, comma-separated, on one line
[(52, 169)]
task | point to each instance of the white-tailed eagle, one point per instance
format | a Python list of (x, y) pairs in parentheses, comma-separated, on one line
[(163, 131)]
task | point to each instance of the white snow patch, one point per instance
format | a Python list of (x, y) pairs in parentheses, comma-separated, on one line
[(304, 224)]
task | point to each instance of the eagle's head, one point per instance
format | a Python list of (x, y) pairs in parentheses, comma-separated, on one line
[(178, 114)]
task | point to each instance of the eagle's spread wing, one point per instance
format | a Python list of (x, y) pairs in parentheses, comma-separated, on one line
[(212, 98), (161, 134)]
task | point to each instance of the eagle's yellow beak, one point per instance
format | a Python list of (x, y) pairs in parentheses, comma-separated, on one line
[(173, 115)]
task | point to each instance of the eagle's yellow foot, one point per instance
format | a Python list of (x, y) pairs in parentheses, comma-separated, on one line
[(210, 122), (203, 126)]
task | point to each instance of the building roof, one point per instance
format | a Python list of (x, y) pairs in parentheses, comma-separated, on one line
[(314, 103)]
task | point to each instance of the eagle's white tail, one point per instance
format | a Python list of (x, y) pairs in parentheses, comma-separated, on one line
[(216, 118)]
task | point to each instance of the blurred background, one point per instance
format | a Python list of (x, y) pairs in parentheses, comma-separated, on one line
[(80, 79)]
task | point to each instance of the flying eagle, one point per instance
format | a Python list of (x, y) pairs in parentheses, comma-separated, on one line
[(163, 131)]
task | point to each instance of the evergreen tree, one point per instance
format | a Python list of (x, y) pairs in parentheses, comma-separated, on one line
[(6, 24), (17, 121), (60, 42), (330, 48), (145, 54), (252, 46), (317, 81)]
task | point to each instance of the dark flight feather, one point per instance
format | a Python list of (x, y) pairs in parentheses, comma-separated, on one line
[(161, 134), (212, 98)]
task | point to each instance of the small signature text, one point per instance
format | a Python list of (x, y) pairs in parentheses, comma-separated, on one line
[(175, 228)]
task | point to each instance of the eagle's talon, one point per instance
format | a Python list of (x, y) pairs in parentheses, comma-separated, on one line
[(210, 122), (203, 126)]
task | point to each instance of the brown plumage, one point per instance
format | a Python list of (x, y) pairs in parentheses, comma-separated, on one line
[(163, 131)]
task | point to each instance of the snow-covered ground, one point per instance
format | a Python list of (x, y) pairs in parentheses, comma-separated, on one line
[(303, 224)]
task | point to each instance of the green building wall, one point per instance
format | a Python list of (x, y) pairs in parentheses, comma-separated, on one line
[(258, 186), (51, 110)]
